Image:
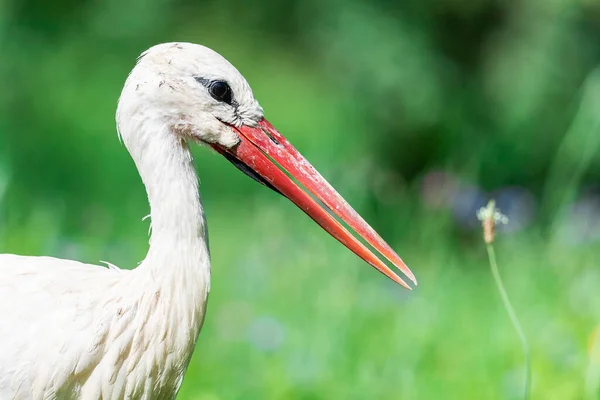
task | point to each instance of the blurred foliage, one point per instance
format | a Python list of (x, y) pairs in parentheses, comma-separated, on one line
[(417, 111)]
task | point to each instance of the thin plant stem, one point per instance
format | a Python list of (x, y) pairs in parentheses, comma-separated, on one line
[(513, 317), (592, 376)]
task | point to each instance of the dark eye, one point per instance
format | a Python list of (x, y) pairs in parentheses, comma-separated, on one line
[(221, 91)]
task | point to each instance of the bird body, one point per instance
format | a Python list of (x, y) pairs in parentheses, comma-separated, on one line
[(77, 331), (103, 333), (90, 332)]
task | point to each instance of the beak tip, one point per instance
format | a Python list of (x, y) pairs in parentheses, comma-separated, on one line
[(406, 271), (400, 281), (413, 279)]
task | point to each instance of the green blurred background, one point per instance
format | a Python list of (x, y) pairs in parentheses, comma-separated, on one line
[(416, 111)]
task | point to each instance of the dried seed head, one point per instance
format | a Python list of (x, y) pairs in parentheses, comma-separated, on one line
[(489, 217)]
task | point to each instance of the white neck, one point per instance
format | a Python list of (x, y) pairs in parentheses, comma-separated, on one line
[(177, 216), (178, 260), (170, 287)]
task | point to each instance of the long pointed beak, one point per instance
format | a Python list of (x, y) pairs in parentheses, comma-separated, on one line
[(264, 154)]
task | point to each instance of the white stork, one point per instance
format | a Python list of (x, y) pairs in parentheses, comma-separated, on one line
[(76, 331)]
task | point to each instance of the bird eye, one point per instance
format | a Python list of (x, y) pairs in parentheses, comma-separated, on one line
[(220, 91)]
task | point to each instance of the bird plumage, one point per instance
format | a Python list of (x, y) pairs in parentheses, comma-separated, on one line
[(71, 330), (76, 331)]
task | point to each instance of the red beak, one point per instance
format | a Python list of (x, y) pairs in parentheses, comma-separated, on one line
[(264, 154)]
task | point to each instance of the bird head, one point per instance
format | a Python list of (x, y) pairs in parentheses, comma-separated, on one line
[(202, 98)]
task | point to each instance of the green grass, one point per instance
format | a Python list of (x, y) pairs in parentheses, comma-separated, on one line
[(351, 334), (375, 98), (343, 331)]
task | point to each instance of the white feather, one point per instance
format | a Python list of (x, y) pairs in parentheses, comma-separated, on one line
[(71, 330)]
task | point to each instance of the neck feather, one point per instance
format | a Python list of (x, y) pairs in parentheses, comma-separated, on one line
[(178, 242), (173, 281)]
